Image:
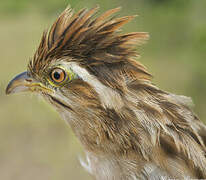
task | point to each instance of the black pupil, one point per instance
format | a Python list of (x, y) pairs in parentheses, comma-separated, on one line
[(57, 75)]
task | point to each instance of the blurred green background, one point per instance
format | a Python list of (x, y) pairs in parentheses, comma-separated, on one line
[(34, 142)]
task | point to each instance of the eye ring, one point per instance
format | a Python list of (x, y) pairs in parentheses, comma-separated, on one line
[(58, 75)]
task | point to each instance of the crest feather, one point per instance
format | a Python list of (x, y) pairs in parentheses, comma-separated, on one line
[(89, 40)]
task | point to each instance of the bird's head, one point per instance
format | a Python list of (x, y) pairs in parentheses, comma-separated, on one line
[(83, 61)]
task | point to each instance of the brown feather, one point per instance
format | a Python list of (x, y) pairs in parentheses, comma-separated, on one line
[(92, 41), (148, 129)]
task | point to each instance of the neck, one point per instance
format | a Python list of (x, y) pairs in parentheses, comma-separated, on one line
[(142, 131)]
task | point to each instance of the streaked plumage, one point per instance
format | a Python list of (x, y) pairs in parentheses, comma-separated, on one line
[(129, 128)]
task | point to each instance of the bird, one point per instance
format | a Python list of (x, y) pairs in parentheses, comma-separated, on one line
[(130, 129)]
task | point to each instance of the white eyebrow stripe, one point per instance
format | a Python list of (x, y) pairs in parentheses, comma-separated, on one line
[(108, 97)]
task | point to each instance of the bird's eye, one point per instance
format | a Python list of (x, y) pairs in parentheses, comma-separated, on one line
[(58, 75)]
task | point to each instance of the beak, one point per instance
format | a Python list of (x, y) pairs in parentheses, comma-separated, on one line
[(23, 82)]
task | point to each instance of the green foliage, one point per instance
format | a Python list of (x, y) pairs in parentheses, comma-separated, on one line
[(22, 6)]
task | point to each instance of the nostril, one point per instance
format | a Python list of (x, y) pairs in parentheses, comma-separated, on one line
[(28, 80)]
